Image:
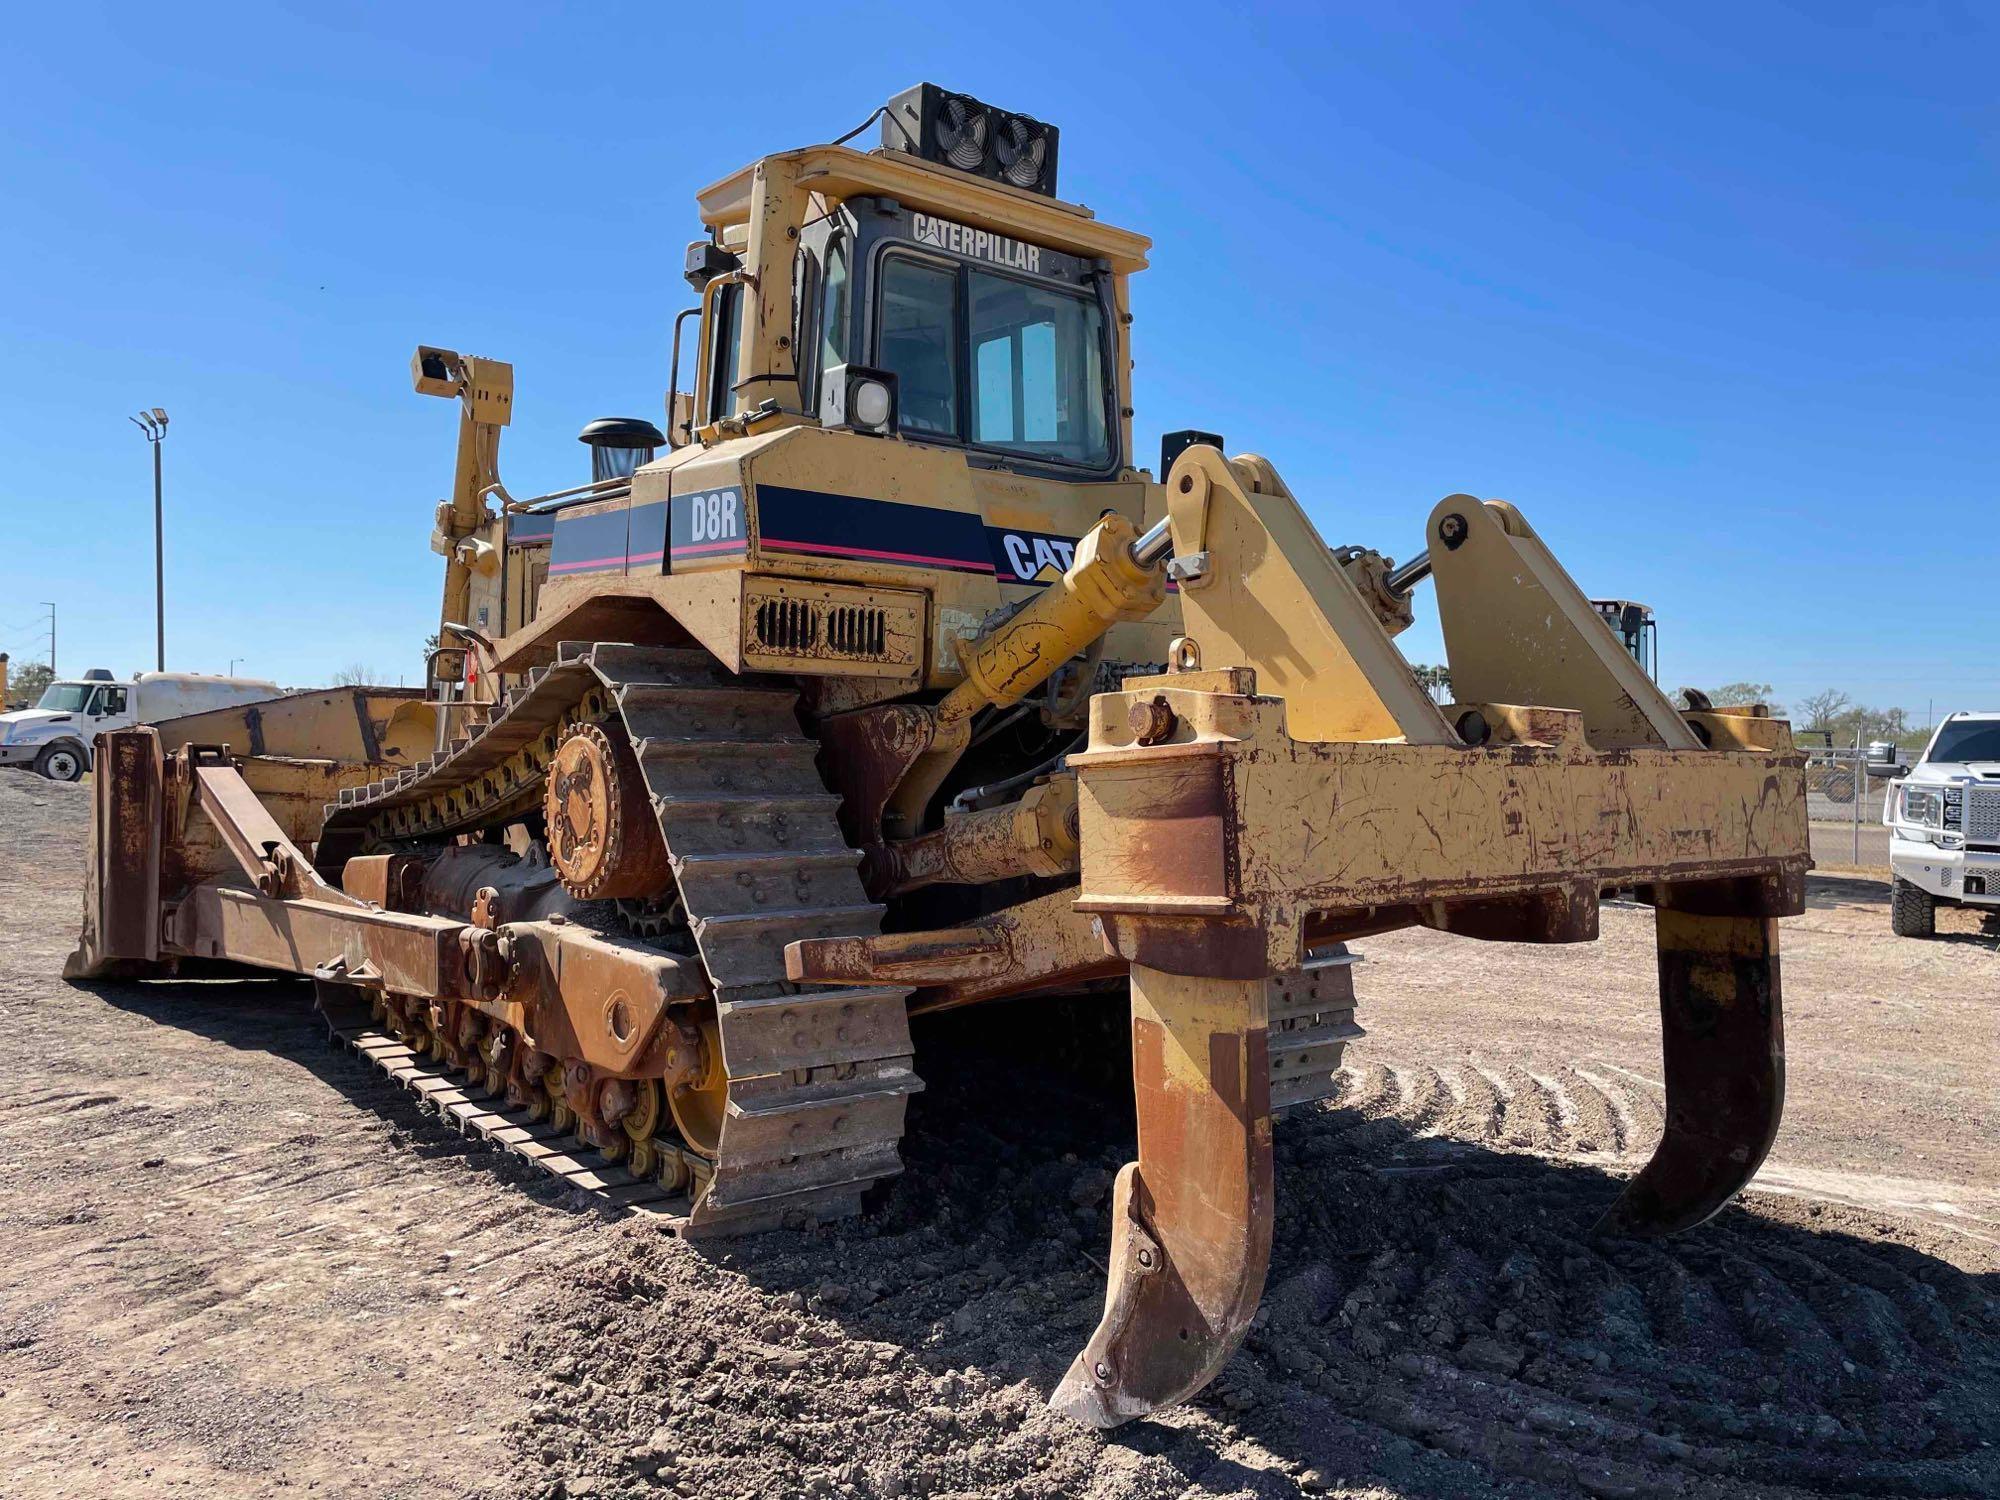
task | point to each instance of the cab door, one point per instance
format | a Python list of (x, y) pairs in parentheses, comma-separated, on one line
[(111, 708)]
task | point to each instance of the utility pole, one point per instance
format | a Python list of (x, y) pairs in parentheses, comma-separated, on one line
[(50, 607), (154, 425)]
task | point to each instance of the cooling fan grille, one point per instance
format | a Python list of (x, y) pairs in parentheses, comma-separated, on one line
[(962, 125)]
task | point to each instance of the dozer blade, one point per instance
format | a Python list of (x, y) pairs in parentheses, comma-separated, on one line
[(1723, 1037), (1191, 1218)]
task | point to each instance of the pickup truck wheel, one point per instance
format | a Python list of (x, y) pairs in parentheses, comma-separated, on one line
[(60, 763), (1912, 910)]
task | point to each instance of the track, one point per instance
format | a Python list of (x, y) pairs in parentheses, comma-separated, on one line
[(817, 1079), (1312, 1021), (441, 1093)]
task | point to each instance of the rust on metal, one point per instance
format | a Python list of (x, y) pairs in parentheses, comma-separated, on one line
[(122, 899), (1241, 824), (1042, 943), (866, 754), (392, 881), (1035, 835), (1152, 720), (1723, 1044), (344, 943), (248, 831), (1191, 1218), (604, 839)]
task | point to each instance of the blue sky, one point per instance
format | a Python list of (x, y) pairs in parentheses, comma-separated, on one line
[(1709, 291)]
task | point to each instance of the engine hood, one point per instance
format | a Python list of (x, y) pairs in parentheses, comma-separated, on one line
[(1941, 772), (25, 725)]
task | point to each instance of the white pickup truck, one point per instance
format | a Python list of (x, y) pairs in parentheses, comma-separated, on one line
[(55, 736), (1944, 825)]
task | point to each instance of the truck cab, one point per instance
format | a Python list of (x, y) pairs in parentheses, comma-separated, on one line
[(56, 735), (1944, 825)]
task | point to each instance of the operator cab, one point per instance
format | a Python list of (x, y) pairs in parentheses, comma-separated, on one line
[(1636, 630), (979, 341), (910, 323)]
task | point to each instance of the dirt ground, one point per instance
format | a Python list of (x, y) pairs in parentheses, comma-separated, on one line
[(237, 1263)]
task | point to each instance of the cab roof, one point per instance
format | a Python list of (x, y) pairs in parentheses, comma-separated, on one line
[(840, 172)]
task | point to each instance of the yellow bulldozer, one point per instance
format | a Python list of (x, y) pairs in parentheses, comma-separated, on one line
[(884, 680)]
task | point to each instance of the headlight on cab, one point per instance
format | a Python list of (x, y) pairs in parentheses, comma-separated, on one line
[(1923, 806)]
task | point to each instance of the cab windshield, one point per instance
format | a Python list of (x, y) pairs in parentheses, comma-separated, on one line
[(1965, 741), (995, 361), (65, 697)]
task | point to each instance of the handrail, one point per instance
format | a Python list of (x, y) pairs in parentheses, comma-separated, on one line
[(597, 489)]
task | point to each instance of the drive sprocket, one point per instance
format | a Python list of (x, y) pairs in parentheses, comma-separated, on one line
[(604, 838)]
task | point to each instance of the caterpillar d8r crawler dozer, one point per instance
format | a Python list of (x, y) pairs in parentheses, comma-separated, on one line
[(892, 684)]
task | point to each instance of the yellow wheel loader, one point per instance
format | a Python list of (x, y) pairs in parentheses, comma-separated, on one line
[(884, 680)]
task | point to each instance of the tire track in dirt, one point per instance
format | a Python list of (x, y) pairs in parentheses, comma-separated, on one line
[(1601, 1113)]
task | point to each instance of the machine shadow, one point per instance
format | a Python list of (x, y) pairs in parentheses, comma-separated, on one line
[(1437, 1318)]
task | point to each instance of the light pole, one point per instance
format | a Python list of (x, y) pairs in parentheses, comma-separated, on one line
[(232, 664), (154, 425)]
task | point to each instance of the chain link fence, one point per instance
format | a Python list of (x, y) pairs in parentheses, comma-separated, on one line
[(1843, 801)]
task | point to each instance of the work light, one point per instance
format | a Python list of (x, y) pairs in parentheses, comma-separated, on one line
[(859, 398)]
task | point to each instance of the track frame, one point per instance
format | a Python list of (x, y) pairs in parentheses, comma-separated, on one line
[(810, 1082)]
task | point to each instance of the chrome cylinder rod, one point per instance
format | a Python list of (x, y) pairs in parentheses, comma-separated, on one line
[(1407, 577), (1155, 547)]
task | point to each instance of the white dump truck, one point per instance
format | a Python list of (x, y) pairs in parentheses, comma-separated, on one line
[(1944, 825), (55, 736)]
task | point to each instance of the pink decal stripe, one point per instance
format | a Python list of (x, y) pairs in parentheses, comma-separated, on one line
[(963, 565), (697, 548), (589, 562)]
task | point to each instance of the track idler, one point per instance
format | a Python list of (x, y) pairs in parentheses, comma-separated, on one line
[(1191, 1218), (1723, 1042)]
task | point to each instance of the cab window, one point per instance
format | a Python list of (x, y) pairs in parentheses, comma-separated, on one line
[(722, 357), (65, 697), (805, 321), (995, 361), (918, 341), (1037, 370), (833, 307), (110, 700)]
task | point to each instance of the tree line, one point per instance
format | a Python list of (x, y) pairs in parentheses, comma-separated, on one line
[(1830, 711), (26, 683)]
